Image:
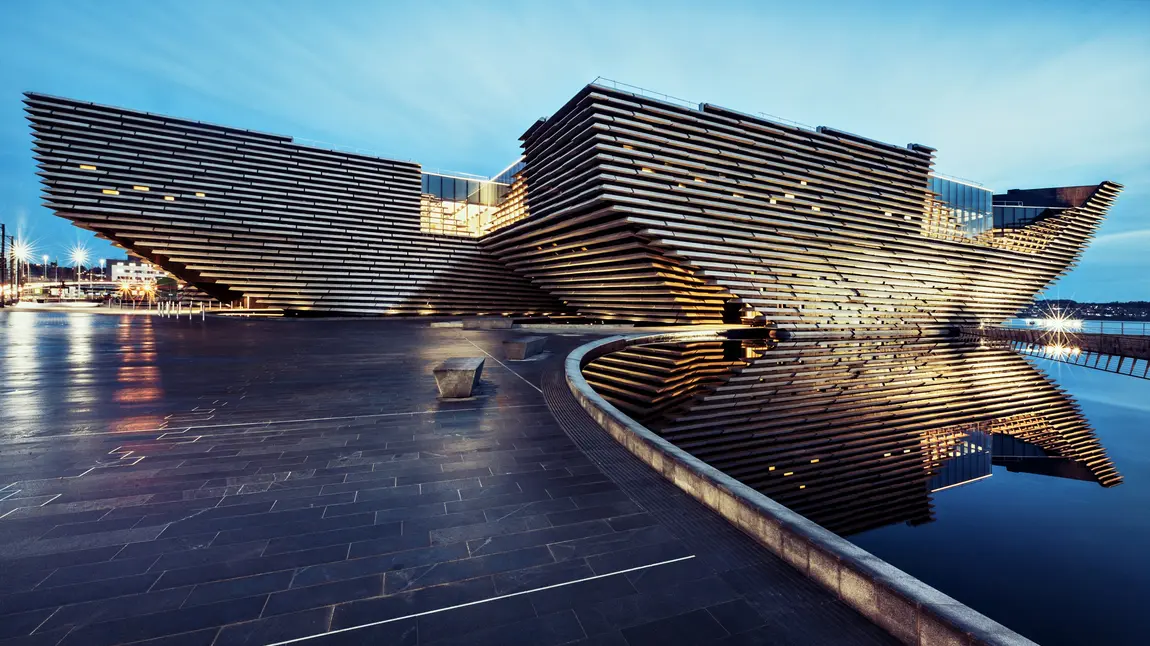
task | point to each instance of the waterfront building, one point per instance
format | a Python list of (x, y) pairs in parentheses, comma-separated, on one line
[(624, 207), (133, 271)]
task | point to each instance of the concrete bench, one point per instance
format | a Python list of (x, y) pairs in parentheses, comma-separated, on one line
[(458, 377), (488, 323), (523, 347)]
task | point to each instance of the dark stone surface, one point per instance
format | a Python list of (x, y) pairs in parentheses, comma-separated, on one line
[(248, 482)]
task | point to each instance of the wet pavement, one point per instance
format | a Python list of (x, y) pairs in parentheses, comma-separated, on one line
[(253, 482)]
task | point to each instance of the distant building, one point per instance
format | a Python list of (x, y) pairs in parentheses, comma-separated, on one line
[(133, 270)]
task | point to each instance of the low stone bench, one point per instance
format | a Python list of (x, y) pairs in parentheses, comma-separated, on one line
[(523, 347), (487, 323), (457, 377)]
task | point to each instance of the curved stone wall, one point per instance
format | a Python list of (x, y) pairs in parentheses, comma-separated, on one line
[(909, 609)]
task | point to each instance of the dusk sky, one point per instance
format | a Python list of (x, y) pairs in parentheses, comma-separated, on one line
[(1012, 94)]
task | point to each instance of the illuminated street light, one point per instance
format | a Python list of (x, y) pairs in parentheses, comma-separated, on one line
[(79, 255), (22, 251)]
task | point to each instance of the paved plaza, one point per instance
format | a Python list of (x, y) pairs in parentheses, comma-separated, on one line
[(228, 482)]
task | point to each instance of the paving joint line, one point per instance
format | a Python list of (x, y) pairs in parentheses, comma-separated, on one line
[(481, 601)]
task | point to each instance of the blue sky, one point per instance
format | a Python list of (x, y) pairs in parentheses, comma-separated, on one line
[(1013, 94)]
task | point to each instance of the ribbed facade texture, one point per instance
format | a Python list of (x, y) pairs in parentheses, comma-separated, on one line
[(243, 214), (624, 208), (641, 209), (854, 434)]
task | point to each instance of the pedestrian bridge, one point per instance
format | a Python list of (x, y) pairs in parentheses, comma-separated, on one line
[(1127, 354)]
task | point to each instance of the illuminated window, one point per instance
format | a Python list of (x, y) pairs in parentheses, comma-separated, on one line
[(648, 170), (736, 195), (628, 146), (87, 167), (169, 198), (109, 191), (788, 196), (774, 201), (815, 208), (140, 188), (770, 468), (789, 473), (802, 486), (815, 461), (803, 182), (200, 195), (700, 180)]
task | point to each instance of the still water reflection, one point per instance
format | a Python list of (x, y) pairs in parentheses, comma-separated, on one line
[(854, 434), (970, 467)]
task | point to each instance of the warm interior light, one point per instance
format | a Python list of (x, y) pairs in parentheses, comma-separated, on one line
[(87, 167), (140, 188), (169, 198), (200, 195), (109, 191)]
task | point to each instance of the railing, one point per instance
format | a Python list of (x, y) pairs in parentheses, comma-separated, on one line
[(342, 148), (960, 180), (644, 92), (792, 122), (1088, 326)]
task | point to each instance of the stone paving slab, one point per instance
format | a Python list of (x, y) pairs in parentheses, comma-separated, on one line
[(254, 482)]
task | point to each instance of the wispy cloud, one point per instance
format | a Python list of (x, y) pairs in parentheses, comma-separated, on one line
[(1011, 96)]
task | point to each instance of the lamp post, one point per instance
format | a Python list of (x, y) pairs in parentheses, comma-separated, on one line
[(79, 257), (45, 259)]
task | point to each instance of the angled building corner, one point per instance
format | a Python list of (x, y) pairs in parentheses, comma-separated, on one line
[(624, 207)]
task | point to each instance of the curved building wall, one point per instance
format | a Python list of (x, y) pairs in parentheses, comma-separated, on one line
[(647, 210), (247, 214)]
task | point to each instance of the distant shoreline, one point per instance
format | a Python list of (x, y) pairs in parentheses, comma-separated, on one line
[(1114, 311)]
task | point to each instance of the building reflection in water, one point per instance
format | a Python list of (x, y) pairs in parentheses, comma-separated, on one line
[(138, 376), (854, 434), (22, 399)]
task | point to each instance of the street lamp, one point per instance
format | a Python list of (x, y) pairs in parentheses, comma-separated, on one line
[(21, 252), (103, 262), (79, 257)]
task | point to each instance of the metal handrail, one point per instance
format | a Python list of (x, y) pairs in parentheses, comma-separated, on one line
[(955, 178), (774, 117), (1091, 326), (642, 91)]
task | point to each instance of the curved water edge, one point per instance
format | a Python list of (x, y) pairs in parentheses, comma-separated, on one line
[(909, 609)]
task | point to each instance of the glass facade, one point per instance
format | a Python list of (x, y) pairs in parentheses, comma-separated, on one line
[(1011, 216), (969, 206), (461, 189), (467, 206)]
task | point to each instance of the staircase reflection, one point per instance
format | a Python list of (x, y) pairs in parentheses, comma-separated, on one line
[(854, 434)]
